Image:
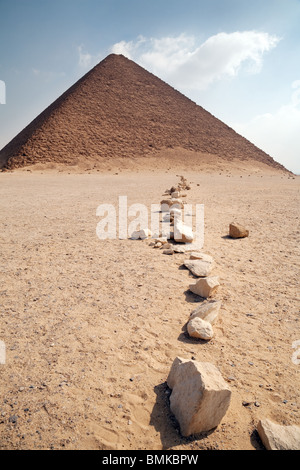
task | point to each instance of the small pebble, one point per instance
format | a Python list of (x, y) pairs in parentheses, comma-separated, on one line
[(168, 252), (246, 403), (13, 419)]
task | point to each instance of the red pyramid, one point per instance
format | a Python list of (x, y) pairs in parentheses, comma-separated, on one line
[(118, 109)]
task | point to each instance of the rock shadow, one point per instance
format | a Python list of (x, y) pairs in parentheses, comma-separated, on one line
[(256, 441), (192, 298), (166, 424)]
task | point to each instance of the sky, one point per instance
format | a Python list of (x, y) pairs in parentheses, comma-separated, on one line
[(238, 59)]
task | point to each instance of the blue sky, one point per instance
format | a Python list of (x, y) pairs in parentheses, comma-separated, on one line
[(238, 59)]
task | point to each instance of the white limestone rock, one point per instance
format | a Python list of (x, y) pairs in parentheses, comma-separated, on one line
[(208, 311), (201, 256), (165, 205), (199, 267), (200, 396), (162, 240), (277, 437), (182, 233), (175, 212), (141, 234), (201, 329), (205, 286), (176, 203), (188, 247)]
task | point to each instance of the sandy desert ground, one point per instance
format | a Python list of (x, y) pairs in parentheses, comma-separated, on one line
[(92, 327)]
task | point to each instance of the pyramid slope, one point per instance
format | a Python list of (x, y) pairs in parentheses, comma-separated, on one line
[(118, 109)]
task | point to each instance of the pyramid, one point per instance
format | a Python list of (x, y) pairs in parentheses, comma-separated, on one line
[(120, 110)]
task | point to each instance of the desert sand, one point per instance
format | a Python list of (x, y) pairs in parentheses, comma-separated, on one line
[(92, 327)]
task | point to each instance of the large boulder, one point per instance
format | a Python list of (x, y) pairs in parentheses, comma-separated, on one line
[(200, 396), (205, 286), (277, 437)]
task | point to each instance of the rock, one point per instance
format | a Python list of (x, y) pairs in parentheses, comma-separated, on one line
[(208, 311), (161, 240), (188, 247), (202, 256), (165, 205), (199, 267), (175, 194), (141, 234), (277, 437), (200, 396), (237, 231), (182, 233), (168, 251), (198, 328), (174, 212), (167, 246), (205, 286), (176, 203), (13, 419)]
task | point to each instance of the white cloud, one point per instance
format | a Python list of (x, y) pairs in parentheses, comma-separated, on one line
[(85, 59), (278, 133), (187, 64)]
